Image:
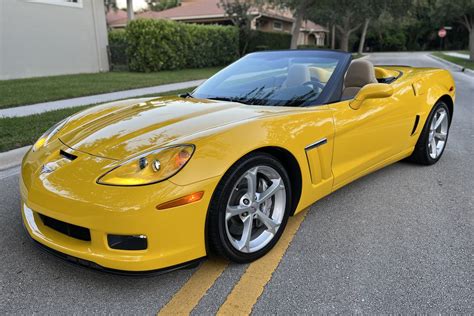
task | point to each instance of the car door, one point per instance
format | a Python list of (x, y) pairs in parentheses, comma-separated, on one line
[(370, 136)]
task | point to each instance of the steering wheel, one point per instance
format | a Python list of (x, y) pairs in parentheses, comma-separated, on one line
[(314, 84)]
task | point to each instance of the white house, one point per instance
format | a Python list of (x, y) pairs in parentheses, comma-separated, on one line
[(52, 37)]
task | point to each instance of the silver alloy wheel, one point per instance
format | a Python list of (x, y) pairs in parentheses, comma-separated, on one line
[(255, 209), (438, 133)]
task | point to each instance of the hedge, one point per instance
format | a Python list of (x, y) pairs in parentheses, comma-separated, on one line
[(267, 41), (154, 45), (118, 47)]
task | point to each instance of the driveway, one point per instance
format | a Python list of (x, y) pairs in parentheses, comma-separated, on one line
[(397, 241)]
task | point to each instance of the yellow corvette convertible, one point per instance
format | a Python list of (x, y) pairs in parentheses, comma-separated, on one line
[(154, 184)]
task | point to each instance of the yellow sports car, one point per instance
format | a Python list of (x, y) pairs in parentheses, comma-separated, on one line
[(153, 184)]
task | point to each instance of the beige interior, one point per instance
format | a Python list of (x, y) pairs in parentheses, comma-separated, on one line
[(382, 73), (360, 73), (321, 74), (297, 75)]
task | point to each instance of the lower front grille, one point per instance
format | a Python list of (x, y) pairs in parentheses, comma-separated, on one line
[(70, 230)]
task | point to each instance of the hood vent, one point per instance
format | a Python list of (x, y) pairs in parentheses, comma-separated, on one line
[(67, 155)]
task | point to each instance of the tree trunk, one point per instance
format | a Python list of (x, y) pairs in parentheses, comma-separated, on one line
[(295, 31), (471, 45), (130, 13), (346, 31), (333, 37), (344, 41), (364, 34)]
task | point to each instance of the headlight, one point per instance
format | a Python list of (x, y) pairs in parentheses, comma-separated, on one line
[(149, 168), (46, 137)]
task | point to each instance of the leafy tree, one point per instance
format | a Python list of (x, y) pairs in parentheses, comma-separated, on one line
[(110, 5), (374, 9), (299, 9), (160, 5), (346, 15), (239, 13), (461, 11)]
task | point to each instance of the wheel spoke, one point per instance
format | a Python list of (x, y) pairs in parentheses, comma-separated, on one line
[(440, 136), (255, 208), (267, 221), (251, 177), (433, 148), (236, 210), (440, 119), (244, 243), (270, 191)]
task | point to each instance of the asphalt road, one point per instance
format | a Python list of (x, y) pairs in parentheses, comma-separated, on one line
[(397, 241)]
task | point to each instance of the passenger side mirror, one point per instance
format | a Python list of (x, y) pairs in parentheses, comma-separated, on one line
[(371, 91)]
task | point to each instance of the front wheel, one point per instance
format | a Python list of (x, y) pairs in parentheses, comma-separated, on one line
[(249, 209), (433, 138)]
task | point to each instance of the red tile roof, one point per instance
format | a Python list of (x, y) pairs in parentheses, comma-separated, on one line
[(188, 8), (199, 9), (312, 27), (116, 18)]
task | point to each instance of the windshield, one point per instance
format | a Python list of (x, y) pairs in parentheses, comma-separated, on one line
[(282, 78)]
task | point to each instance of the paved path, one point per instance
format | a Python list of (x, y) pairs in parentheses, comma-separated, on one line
[(94, 99), (459, 55), (397, 241)]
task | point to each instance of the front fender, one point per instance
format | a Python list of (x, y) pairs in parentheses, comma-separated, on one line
[(218, 149)]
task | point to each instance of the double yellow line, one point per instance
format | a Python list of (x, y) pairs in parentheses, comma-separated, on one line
[(248, 289)]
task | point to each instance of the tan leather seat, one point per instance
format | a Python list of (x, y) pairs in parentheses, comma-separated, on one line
[(321, 74), (360, 73), (297, 75)]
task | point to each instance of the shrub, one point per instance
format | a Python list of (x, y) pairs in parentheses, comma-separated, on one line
[(118, 47), (154, 45), (308, 46), (266, 41)]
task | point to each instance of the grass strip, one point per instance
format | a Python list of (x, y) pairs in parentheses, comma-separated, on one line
[(16, 132), (20, 92)]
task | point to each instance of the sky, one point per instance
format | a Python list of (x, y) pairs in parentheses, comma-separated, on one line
[(137, 4)]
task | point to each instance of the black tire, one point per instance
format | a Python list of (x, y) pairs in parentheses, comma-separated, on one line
[(421, 154), (217, 240)]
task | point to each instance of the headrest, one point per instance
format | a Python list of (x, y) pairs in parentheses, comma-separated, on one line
[(360, 73), (297, 75)]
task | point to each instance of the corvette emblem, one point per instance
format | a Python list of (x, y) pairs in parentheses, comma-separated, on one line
[(48, 168)]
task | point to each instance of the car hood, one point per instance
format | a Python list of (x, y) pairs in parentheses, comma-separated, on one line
[(126, 128)]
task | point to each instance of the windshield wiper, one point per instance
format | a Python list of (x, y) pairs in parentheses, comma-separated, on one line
[(221, 99), (186, 95), (228, 99)]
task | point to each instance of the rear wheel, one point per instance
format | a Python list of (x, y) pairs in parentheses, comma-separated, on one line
[(249, 209), (433, 138)]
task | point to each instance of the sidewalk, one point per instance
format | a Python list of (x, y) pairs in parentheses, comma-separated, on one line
[(12, 158), (458, 55), (467, 71), (94, 99)]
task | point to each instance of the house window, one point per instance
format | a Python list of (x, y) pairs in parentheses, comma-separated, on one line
[(66, 3), (319, 40), (277, 25)]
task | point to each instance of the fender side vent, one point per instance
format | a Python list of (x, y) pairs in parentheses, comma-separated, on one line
[(67, 155), (417, 120)]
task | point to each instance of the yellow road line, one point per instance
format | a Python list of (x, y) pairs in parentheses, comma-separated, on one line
[(250, 286), (183, 302)]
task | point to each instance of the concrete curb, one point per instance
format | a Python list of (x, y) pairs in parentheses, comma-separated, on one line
[(467, 71), (94, 99), (12, 158)]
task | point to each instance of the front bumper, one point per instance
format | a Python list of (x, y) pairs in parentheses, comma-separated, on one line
[(92, 265), (175, 236)]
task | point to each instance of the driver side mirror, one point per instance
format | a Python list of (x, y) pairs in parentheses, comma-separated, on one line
[(371, 91)]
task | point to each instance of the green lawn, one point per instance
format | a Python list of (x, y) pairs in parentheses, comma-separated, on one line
[(17, 132), (460, 61), (34, 90), (357, 55)]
